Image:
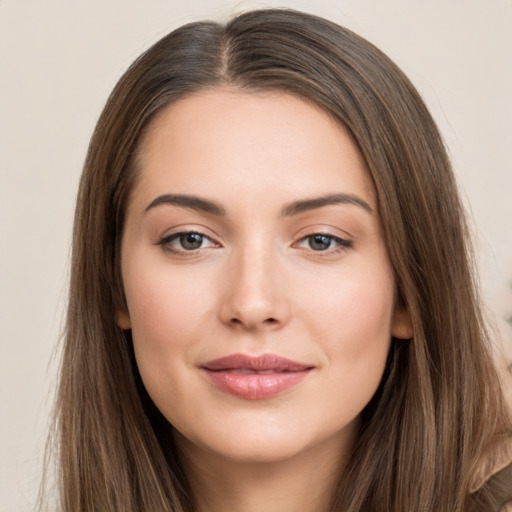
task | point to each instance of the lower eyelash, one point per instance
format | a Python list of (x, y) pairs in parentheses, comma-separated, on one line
[(342, 243), (345, 244), (165, 242)]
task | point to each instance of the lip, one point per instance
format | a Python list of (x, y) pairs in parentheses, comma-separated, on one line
[(255, 378)]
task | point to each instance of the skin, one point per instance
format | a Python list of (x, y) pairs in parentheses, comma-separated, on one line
[(255, 286)]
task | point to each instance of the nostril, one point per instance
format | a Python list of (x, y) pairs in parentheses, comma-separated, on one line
[(238, 321)]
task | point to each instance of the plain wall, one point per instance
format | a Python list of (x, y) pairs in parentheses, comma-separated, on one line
[(59, 59)]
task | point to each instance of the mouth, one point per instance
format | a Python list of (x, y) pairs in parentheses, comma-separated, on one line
[(255, 378)]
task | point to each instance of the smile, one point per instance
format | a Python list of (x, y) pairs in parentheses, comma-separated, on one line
[(255, 378)]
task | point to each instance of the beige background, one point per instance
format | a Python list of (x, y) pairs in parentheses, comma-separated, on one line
[(58, 61)]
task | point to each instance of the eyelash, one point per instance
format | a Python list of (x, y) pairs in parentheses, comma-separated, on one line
[(165, 243), (341, 244)]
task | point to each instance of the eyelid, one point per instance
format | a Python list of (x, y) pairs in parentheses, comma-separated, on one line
[(323, 229), (343, 241), (165, 240)]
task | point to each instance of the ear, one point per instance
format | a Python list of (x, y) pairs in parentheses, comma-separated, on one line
[(123, 320), (401, 326)]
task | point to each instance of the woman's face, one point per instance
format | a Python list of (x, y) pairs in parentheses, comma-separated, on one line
[(260, 294)]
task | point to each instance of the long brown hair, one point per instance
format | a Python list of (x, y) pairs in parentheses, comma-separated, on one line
[(439, 406)]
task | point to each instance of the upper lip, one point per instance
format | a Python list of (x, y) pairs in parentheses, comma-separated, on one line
[(263, 362)]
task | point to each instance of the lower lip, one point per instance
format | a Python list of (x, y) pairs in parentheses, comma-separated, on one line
[(255, 386)]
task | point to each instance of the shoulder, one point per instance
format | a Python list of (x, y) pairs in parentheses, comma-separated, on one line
[(496, 494), (501, 484)]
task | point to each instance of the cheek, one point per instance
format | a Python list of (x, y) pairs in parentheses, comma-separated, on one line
[(352, 323), (167, 313), (355, 306), (163, 300)]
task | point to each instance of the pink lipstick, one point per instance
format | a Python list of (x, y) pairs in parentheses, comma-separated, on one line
[(255, 378)]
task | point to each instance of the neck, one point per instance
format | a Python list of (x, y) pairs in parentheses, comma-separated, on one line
[(305, 482)]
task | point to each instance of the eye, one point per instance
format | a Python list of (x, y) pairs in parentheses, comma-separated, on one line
[(186, 241), (190, 241), (321, 242)]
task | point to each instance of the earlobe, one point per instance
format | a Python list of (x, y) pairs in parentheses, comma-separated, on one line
[(123, 320), (402, 324)]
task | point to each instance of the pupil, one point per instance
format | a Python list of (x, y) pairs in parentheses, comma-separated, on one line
[(319, 242), (191, 241)]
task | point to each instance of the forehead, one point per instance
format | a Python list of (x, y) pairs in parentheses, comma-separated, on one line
[(224, 139)]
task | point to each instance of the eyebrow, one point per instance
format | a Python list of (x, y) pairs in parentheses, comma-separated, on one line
[(187, 201), (295, 208), (306, 205)]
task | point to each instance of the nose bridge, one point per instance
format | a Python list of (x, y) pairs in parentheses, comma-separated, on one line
[(255, 296)]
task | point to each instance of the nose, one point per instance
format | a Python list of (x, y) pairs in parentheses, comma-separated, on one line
[(255, 295)]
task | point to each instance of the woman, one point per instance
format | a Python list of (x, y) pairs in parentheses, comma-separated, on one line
[(272, 302)]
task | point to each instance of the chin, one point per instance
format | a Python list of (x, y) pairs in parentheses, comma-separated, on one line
[(246, 450), (263, 442)]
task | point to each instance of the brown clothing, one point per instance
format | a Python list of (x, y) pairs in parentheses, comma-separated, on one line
[(496, 494)]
